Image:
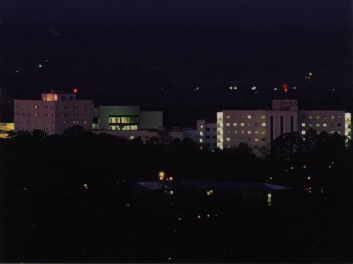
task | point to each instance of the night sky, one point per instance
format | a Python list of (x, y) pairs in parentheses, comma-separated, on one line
[(181, 57)]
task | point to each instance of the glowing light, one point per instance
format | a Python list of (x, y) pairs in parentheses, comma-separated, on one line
[(310, 74), (86, 186), (230, 88), (179, 218), (253, 88), (208, 215), (199, 216), (309, 178), (75, 91), (40, 66), (275, 88), (170, 178), (304, 167), (235, 88), (161, 175)]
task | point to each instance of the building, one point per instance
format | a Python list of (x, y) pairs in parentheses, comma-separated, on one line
[(54, 113), (129, 122), (5, 128), (207, 134), (259, 128)]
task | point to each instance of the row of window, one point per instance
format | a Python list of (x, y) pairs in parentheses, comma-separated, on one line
[(304, 132), (256, 139), (46, 114), (319, 124), (132, 127), (47, 122), (246, 124), (322, 117), (249, 132), (47, 107), (247, 116)]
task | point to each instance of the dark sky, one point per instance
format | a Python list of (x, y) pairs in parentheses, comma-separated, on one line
[(158, 54), (243, 13)]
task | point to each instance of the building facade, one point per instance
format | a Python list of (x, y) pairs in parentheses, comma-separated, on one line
[(207, 134), (259, 128), (53, 114)]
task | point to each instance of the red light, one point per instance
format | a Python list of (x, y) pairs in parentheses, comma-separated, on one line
[(75, 91), (285, 87)]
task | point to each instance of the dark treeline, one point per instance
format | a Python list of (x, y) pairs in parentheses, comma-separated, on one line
[(67, 198)]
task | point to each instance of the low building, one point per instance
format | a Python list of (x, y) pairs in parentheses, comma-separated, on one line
[(55, 112), (5, 128), (259, 128)]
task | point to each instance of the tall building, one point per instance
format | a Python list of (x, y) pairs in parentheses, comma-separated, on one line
[(55, 112), (260, 128)]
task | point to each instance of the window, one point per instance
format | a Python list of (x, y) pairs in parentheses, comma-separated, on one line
[(249, 124), (256, 139), (227, 139), (201, 140), (214, 137), (339, 124), (256, 124), (263, 117), (310, 117), (317, 117), (242, 116), (207, 137), (207, 129), (235, 132), (249, 116), (324, 124), (235, 124), (242, 124), (317, 124), (249, 139), (303, 124), (263, 139), (303, 132), (228, 116), (227, 124), (256, 132), (263, 124), (201, 133), (249, 132), (243, 132), (332, 117)]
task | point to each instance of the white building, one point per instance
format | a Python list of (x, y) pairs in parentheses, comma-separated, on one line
[(53, 114), (260, 127)]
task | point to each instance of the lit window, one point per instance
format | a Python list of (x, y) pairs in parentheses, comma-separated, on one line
[(317, 117), (263, 116), (303, 132), (249, 116), (242, 124), (228, 116), (318, 124), (242, 131), (263, 124), (324, 124), (310, 125), (132, 137), (228, 139), (249, 132), (227, 124), (332, 117), (256, 139), (201, 140), (201, 133), (310, 117), (235, 124), (256, 132), (303, 124), (263, 132), (235, 132), (201, 126)]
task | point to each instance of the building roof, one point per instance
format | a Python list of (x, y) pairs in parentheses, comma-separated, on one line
[(209, 185)]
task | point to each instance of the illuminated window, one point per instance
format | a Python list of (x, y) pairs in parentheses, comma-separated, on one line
[(318, 124), (235, 124), (243, 132), (310, 117), (256, 132), (263, 124), (310, 125), (263, 116), (324, 124), (256, 139), (228, 116), (249, 132), (132, 137), (201, 140), (263, 132), (235, 132), (201, 133), (332, 117), (201, 126), (228, 139), (249, 116), (242, 124), (303, 124), (227, 124), (303, 132), (317, 117)]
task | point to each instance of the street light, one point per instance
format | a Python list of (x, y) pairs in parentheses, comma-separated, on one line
[(161, 175)]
